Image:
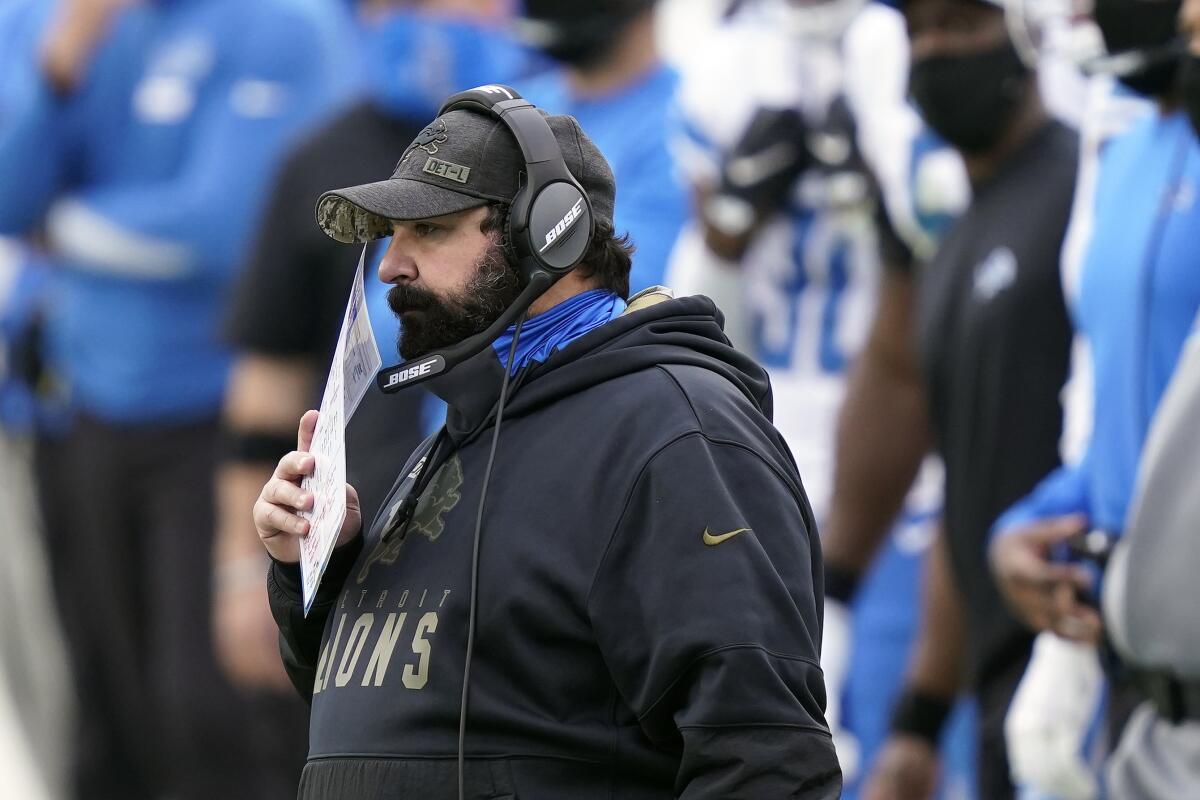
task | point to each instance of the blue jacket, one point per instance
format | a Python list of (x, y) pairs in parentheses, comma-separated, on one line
[(148, 181), (1138, 297)]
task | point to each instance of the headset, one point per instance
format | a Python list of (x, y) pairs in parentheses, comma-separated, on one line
[(549, 227)]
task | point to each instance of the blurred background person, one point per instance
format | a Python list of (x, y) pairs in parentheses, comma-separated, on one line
[(1133, 302), (33, 661), (1155, 564), (991, 340), (794, 132), (135, 148), (287, 308), (613, 81), (1151, 570)]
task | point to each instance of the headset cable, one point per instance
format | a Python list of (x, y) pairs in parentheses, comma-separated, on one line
[(487, 476)]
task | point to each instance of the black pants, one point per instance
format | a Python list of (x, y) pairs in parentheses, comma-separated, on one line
[(129, 514)]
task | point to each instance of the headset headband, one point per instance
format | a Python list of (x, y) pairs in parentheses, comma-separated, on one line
[(533, 135)]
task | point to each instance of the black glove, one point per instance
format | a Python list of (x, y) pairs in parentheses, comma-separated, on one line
[(757, 176)]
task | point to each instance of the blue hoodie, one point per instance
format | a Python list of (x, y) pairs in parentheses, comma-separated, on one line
[(1138, 297), (148, 181)]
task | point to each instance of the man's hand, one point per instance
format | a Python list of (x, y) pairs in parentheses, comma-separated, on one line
[(1045, 594), (72, 39), (276, 519), (905, 769)]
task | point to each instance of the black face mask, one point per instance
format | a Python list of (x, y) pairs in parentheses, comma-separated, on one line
[(1189, 82), (580, 45), (1145, 27), (580, 33), (970, 100)]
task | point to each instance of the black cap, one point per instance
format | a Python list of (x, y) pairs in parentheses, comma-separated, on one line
[(463, 159)]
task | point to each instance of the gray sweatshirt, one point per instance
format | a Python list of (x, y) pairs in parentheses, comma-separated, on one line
[(1153, 581)]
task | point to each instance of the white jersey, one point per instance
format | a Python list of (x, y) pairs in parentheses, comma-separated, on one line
[(803, 297)]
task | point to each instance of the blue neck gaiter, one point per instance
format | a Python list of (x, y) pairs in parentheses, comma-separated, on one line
[(416, 60), (558, 327)]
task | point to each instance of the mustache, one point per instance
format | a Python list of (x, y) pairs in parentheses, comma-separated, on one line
[(403, 298), (431, 320)]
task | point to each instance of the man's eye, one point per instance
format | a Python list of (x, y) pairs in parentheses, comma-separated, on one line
[(423, 229)]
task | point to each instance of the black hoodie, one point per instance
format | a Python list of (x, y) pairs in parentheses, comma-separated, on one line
[(649, 594)]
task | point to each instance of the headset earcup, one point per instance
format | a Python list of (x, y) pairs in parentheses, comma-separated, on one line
[(516, 231), (559, 227)]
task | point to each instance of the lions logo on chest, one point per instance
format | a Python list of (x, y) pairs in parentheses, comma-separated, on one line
[(428, 519), (439, 499)]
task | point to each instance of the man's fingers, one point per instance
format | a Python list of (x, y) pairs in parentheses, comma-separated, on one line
[(1034, 606), (1072, 576), (1056, 529), (285, 493), (282, 520), (1072, 619), (308, 426), (1031, 570), (1062, 600), (272, 520), (295, 465), (1027, 569), (1082, 625)]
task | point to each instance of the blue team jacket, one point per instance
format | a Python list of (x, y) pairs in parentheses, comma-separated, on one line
[(1138, 297), (148, 180)]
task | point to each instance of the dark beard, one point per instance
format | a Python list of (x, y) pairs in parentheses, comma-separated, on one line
[(429, 322)]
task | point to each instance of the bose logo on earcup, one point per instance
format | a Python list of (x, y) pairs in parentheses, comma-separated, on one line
[(563, 224)]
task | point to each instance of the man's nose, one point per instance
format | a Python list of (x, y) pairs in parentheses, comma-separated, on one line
[(397, 266)]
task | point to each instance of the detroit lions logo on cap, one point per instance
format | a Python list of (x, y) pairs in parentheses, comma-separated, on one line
[(428, 140)]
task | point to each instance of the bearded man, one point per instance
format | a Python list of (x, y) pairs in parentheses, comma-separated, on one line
[(637, 611)]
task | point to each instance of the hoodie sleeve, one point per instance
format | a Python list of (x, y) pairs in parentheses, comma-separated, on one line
[(300, 636), (706, 607), (1062, 492)]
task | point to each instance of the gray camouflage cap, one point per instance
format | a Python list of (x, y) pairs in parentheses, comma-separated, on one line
[(461, 160)]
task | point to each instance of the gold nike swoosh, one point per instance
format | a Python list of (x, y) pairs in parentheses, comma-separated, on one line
[(711, 540)]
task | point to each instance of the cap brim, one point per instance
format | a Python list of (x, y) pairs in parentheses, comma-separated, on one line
[(364, 213)]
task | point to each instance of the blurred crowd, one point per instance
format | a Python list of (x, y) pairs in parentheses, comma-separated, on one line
[(962, 235)]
